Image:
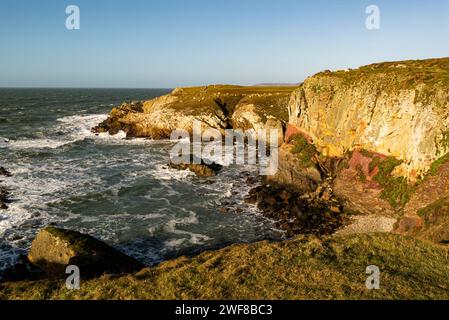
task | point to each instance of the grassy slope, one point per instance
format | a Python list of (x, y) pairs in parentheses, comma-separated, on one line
[(304, 268), (426, 77), (273, 99)]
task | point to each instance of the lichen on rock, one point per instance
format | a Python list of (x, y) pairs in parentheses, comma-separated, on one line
[(219, 107), (398, 109), (54, 249)]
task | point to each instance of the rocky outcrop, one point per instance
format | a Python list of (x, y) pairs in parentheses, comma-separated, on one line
[(219, 107), (262, 112), (318, 213), (430, 223), (200, 168), (54, 249), (398, 109), (378, 134), (381, 132), (5, 197), (4, 172)]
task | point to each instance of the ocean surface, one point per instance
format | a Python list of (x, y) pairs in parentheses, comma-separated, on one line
[(118, 190)]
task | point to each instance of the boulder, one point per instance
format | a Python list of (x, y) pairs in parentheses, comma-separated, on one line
[(4, 198), (54, 249), (198, 167), (4, 172)]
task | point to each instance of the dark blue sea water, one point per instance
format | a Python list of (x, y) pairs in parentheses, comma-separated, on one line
[(118, 190)]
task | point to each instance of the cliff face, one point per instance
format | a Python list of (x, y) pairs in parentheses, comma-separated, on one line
[(396, 109), (380, 133), (376, 137), (219, 107)]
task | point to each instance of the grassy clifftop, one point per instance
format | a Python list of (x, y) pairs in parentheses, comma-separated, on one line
[(272, 98), (404, 74), (304, 268), (214, 105)]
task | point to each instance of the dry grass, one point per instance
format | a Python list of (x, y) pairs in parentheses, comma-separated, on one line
[(304, 268), (197, 100)]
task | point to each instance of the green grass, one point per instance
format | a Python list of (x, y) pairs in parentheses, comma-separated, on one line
[(303, 268), (304, 150), (435, 166), (198, 99), (394, 76), (436, 221), (396, 190), (360, 173)]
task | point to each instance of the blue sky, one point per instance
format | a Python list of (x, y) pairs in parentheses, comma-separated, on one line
[(168, 43)]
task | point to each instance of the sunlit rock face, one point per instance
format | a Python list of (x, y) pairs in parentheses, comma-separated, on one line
[(398, 109), (218, 107)]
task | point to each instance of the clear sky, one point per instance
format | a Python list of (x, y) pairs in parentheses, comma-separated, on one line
[(168, 43)]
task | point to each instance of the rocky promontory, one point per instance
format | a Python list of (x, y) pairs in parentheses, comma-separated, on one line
[(363, 172), (380, 133), (217, 106), (377, 135)]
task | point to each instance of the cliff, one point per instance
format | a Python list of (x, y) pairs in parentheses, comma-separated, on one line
[(375, 138), (398, 109), (380, 134), (217, 106)]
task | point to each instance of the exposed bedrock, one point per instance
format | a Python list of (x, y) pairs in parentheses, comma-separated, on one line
[(54, 249), (379, 134), (5, 196), (219, 107), (398, 109)]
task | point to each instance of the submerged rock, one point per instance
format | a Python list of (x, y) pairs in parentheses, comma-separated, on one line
[(54, 249), (200, 169), (4, 198), (4, 172)]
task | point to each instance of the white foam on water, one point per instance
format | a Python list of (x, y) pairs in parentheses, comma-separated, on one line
[(39, 188), (174, 243), (193, 238), (76, 128), (15, 215), (37, 144), (164, 173)]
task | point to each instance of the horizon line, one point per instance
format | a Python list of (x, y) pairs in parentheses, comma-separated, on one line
[(109, 88)]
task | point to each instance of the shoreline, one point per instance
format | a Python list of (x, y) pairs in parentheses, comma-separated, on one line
[(340, 181)]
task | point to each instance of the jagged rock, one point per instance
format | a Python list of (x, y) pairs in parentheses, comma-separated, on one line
[(199, 167), (292, 174), (430, 223), (54, 249), (395, 111), (4, 198), (213, 106), (377, 130), (296, 214), (4, 172)]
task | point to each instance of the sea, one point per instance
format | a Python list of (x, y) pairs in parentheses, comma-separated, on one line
[(118, 190)]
